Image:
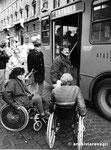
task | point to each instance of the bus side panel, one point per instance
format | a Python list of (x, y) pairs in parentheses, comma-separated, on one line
[(85, 81), (48, 61), (95, 58)]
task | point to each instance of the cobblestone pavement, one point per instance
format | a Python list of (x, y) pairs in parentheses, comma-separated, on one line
[(97, 135)]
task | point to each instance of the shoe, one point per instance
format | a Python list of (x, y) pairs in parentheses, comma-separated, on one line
[(58, 126)]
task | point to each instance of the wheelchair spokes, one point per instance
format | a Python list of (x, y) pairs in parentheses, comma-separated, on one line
[(17, 119), (13, 119)]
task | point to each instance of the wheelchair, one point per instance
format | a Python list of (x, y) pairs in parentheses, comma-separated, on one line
[(17, 119), (56, 118)]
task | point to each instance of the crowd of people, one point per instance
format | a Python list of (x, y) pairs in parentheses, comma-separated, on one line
[(13, 70)]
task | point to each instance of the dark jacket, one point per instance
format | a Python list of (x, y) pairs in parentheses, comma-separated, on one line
[(35, 60), (3, 59), (14, 94), (60, 66)]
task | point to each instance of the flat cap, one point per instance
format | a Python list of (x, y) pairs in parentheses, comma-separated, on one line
[(35, 40)]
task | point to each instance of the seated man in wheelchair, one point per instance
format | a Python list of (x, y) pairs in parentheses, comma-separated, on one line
[(17, 94), (66, 94)]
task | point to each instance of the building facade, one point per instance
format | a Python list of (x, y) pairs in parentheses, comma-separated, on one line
[(21, 18)]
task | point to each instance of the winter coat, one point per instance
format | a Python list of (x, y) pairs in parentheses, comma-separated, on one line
[(70, 95), (14, 93), (3, 59), (60, 66), (35, 60)]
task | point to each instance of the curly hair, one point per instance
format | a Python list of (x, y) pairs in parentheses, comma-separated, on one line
[(66, 78), (15, 72)]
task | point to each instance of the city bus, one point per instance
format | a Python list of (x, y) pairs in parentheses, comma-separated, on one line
[(90, 54)]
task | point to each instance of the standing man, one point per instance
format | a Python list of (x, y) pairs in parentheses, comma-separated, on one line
[(3, 61), (35, 60)]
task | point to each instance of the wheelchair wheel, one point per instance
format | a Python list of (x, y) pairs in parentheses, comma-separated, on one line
[(80, 133), (37, 125), (50, 134), (14, 119)]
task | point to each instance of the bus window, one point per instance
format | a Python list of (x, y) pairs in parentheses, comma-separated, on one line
[(101, 21), (58, 39), (45, 31), (64, 34)]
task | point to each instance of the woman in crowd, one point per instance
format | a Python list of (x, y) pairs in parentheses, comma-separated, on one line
[(17, 94)]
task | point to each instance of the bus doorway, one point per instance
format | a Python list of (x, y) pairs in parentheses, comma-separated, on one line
[(67, 31)]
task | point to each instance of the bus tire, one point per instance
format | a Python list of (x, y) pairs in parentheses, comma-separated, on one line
[(102, 98)]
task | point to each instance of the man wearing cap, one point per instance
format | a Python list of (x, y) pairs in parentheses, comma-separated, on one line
[(60, 65), (35, 60)]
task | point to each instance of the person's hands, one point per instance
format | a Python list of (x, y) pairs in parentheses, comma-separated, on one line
[(16, 106), (19, 107), (54, 85), (58, 84)]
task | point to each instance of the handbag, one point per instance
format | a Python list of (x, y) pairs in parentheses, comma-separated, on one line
[(29, 79)]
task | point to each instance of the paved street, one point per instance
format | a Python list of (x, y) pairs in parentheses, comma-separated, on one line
[(97, 135)]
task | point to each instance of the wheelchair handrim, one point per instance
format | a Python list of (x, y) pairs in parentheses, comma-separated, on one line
[(50, 135), (80, 134), (26, 116)]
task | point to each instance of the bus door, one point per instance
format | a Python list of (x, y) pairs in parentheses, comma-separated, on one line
[(45, 39), (67, 31)]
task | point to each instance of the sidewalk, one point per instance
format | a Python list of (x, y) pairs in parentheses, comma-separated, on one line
[(97, 130), (30, 139)]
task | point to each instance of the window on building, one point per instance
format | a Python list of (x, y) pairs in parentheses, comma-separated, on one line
[(12, 9), (27, 13), (16, 5), (16, 16), (45, 30), (33, 27), (8, 20), (45, 4), (21, 12), (69, 1), (22, 37), (34, 7), (56, 3), (4, 21), (11, 18), (27, 10), (1, 22), (101, 21)]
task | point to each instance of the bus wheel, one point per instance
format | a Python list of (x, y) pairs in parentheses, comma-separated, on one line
[(102, 98)]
